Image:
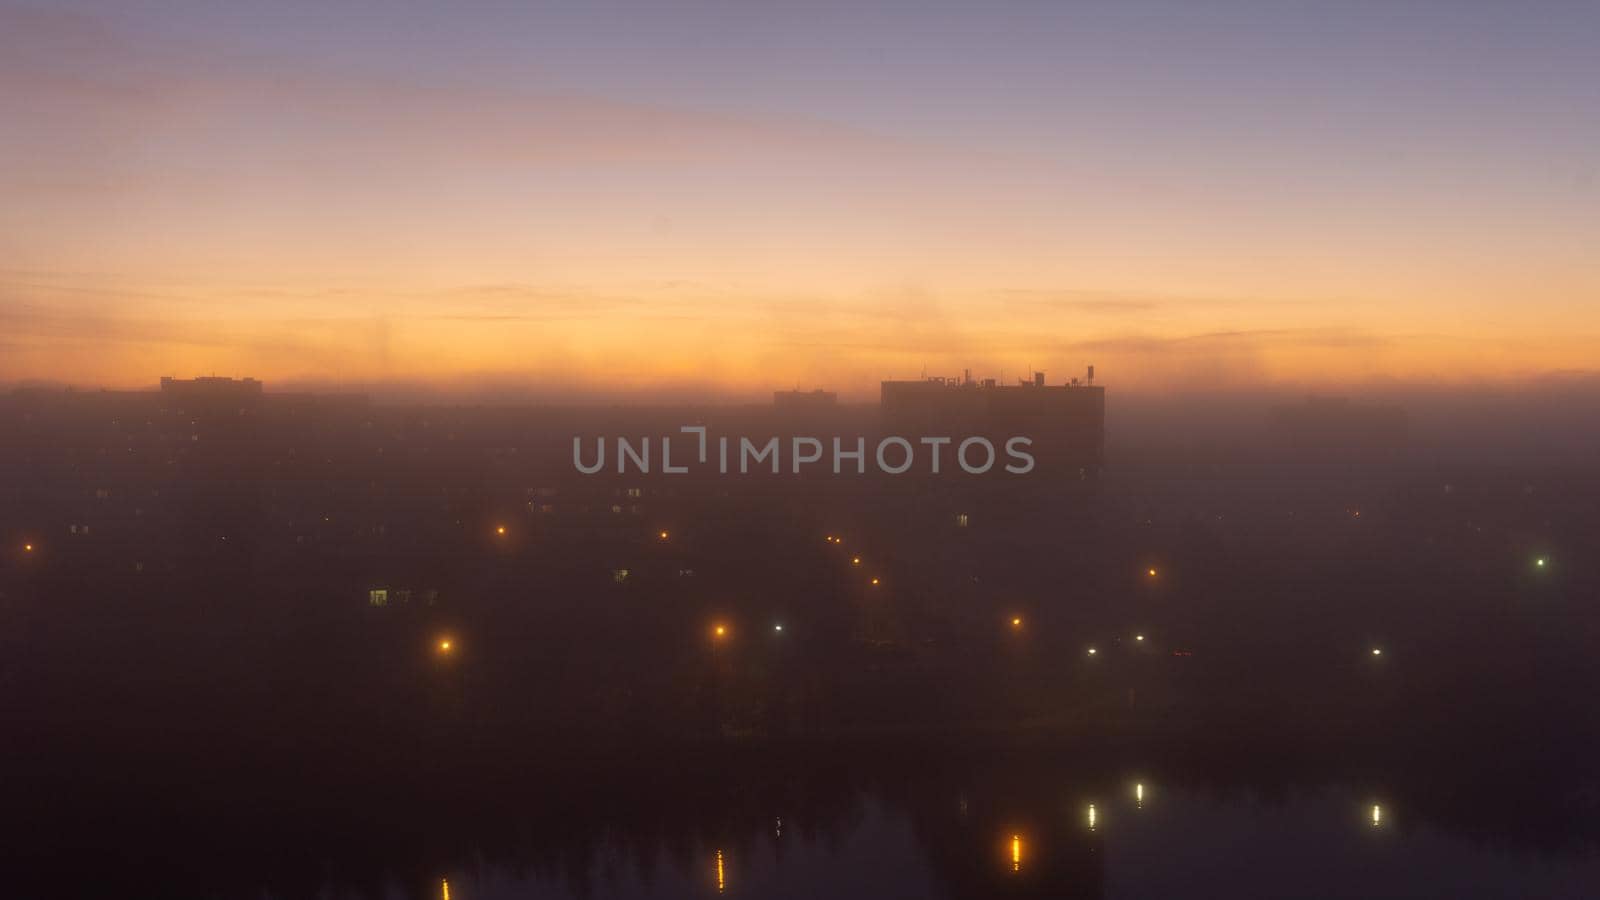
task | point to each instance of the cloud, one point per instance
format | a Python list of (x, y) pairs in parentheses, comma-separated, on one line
[(1077, 301), (1216, 341), (111, 115)]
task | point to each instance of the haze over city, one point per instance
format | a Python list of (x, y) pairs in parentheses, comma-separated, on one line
[(572, 449), (712, 200)]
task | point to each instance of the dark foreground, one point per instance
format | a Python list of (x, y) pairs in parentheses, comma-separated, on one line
[(900, 818), (403, 654)]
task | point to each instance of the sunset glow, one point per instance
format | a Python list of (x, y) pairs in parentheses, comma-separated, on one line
[(717, 223)]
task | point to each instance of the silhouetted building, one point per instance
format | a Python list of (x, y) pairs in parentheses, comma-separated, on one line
[(210, 387), (210, 394), (1066, 422)]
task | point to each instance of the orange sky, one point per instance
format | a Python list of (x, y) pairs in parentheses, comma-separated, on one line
[(189, 199)]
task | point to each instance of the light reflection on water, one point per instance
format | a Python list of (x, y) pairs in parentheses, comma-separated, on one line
[(1303, 843)]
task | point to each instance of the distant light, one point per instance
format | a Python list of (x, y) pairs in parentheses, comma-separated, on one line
[(1377, 814), (1092, 817), (720, 631), (856, 561), (662, 535), (444, 892), (446, 645), (1016, 621), (1093, 651), (1016, 852), (1138, 637), (499, 529), (874, 581), (1539, 562), (1152, 572), (1138, 795), (27, 548), (778, 627), (1377, 651), (721, 882)]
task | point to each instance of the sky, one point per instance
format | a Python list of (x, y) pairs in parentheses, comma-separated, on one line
[(720, 199)]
